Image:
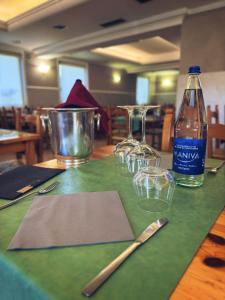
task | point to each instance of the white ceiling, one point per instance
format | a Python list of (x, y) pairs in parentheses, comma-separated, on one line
[(147, 51), (150, 35)]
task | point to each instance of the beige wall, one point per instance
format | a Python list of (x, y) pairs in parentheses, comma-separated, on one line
[(160, 94), (106, 91), (43, 89), (203, 44), (35, 78), (203, 41), (213, 86)]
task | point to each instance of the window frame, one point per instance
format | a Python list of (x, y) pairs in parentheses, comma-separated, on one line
[(148, 95), (75, 63), (21, 58)]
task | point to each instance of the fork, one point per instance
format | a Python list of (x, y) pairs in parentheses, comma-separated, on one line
[(42, 191)]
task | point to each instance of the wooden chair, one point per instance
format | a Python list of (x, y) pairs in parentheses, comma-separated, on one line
[(212, 116), (165, 129), (8, 117), (168, 130), (154, 124), (1, 118), (118, 125), (34, 124), (216, 141)]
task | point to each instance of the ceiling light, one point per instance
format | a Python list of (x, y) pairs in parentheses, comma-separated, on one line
[(43, 68), (113, 22), (143, 1), (59, 26), (17, 42)]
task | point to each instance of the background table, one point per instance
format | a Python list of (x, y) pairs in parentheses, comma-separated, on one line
[(14, 142)]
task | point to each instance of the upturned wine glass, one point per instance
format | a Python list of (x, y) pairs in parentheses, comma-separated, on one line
[(154, 188), (123, 148), (142, 155)]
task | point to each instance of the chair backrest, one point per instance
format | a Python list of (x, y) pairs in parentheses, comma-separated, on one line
[(8, 117), (169, 110), (216, 133), (213, 116), (1, 118), (32, 121), (33, 124), (117, 125), (168, 130)]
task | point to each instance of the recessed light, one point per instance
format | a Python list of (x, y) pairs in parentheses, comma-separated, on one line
[(143, 1), (59, 26), (113, 22), (16, 42)]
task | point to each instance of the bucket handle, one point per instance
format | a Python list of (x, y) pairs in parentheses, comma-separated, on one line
[(98, 118), (48, 128)]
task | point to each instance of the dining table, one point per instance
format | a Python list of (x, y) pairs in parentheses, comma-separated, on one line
[(169, 273), (12, 141)]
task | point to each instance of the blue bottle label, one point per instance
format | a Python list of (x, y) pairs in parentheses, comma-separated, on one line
[(189, 156)]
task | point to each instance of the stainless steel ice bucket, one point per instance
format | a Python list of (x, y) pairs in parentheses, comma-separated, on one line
[(72, 133)]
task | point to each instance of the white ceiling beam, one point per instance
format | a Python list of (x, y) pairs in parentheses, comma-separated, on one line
[(150, 24), (130, 29), (154, 67), (206, 7)]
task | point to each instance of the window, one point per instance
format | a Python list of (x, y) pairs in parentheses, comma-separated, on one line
[(142, 90), (68, 74), (10, 81)]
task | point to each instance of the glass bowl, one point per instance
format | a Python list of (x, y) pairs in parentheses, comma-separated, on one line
[(154, 188)]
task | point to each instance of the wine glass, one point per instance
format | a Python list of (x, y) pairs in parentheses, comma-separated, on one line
[(123, 148), (142, 155), (154, 188)]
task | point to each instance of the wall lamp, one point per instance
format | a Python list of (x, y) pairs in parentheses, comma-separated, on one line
[(166, 83), (116, 77), (43, 68)]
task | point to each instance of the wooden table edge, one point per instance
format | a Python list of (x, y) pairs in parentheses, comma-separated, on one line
[(24, 137)]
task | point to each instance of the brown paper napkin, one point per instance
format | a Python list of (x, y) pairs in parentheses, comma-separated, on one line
[(84, 218)]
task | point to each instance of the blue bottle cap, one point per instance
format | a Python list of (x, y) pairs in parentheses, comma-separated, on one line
[(194, 70)]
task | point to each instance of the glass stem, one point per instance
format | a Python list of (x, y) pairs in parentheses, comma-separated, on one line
[(130, 116), (143, 118)]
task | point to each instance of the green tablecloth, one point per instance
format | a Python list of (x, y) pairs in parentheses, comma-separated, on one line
[(153, 270)]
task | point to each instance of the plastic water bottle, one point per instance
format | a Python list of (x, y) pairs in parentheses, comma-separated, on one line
[(190, 134)]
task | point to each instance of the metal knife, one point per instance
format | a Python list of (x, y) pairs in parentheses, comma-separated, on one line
[(98, 280)]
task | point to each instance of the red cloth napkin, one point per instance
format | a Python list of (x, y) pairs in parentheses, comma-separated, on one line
[(80, 97)]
